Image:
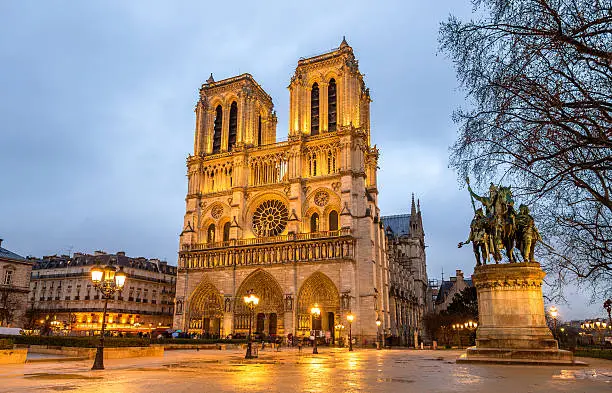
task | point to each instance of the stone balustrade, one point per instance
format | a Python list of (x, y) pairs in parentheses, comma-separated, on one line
[(302, 247)]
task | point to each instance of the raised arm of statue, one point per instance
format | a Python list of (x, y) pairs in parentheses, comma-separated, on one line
[(480, 199)]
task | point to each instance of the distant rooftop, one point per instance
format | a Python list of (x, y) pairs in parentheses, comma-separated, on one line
[(6, 254), (120, 259), (399, 224)]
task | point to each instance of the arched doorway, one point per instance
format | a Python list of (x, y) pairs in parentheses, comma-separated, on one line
[(268, 315), (320, 290), (205, 310)]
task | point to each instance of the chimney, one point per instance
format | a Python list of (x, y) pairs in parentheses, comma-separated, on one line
[(120, 253), (97, 253), (1, 242)]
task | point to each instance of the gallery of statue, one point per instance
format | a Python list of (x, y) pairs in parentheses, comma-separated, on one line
[(296, 222)]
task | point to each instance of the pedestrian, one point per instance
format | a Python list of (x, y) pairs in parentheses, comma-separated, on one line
[(299, 346)]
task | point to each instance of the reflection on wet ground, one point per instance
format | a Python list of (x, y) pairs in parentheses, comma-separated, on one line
[(333, 370)]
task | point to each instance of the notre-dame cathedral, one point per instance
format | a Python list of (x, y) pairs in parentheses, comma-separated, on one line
[(296, 222)]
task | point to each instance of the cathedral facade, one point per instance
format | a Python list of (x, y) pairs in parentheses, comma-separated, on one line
[(295, 222)]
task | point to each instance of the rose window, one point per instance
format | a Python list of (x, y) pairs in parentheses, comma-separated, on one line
[(321, 198), (270, 218), (216, 211)]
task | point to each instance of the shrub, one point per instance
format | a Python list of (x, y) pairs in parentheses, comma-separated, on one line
[(83, 342), (6, 343)]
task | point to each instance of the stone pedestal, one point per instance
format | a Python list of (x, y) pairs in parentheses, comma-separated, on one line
[(511, 318)]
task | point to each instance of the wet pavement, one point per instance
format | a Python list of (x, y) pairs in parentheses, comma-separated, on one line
[(333, 370)]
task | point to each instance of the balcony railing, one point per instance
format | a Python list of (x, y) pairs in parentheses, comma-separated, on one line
[(305, 247), (268, 240)]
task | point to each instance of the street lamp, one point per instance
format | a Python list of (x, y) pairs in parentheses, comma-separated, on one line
[(457, 327), (316, 314), (350, 317), (554, 313), (107, 280), (251, 301), (378, 322)]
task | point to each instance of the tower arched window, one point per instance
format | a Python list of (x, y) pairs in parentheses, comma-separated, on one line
[(226, 231), (331, 105), (333, 220), (217, 130), (259, 138), (314, 222), (210, 234), (312, 164), (233, 126), (314, 110)]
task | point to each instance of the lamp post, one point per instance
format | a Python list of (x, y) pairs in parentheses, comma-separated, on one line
[(316, 314), (251, 301), (107, 280), (456, 329), (350, 317), (554, 313), (378, 322)]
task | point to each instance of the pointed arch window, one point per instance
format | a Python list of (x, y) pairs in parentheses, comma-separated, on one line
[(333, 220), (226, 232), (217, 130), (314, 110), (314, 222), (331, 105), (259, 138), (210, 234), (233, 126)]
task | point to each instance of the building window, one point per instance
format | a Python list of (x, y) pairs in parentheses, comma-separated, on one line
[(314, 110), (314, 223), (210, 234), (333, 220), (217, 129), (259, 138), (233, 126), (312, 164), (226, 231), (8, 277), (331, 162), (331, 105)]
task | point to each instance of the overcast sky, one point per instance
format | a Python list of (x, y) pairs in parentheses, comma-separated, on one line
[(97, 98)]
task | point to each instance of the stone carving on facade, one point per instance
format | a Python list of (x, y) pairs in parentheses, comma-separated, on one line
[(321, 198), (179, 306), (346, 301), (288, 303), (228, 304)]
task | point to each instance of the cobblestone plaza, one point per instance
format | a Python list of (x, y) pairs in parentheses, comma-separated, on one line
[(333, 370)]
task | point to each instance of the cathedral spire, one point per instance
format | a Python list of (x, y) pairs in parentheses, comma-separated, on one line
[(210, 79), (413, 210), (343, 44)]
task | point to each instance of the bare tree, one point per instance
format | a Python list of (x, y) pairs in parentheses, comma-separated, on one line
[(8, 305), (538, 77)]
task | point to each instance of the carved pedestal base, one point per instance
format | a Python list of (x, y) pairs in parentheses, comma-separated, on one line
[(511, 320)]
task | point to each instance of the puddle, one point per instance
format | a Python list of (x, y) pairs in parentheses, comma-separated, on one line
[(59, 376), (399, 380)]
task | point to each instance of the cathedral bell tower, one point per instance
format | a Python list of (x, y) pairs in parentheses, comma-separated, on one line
[(327, 93), (232, 113)]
